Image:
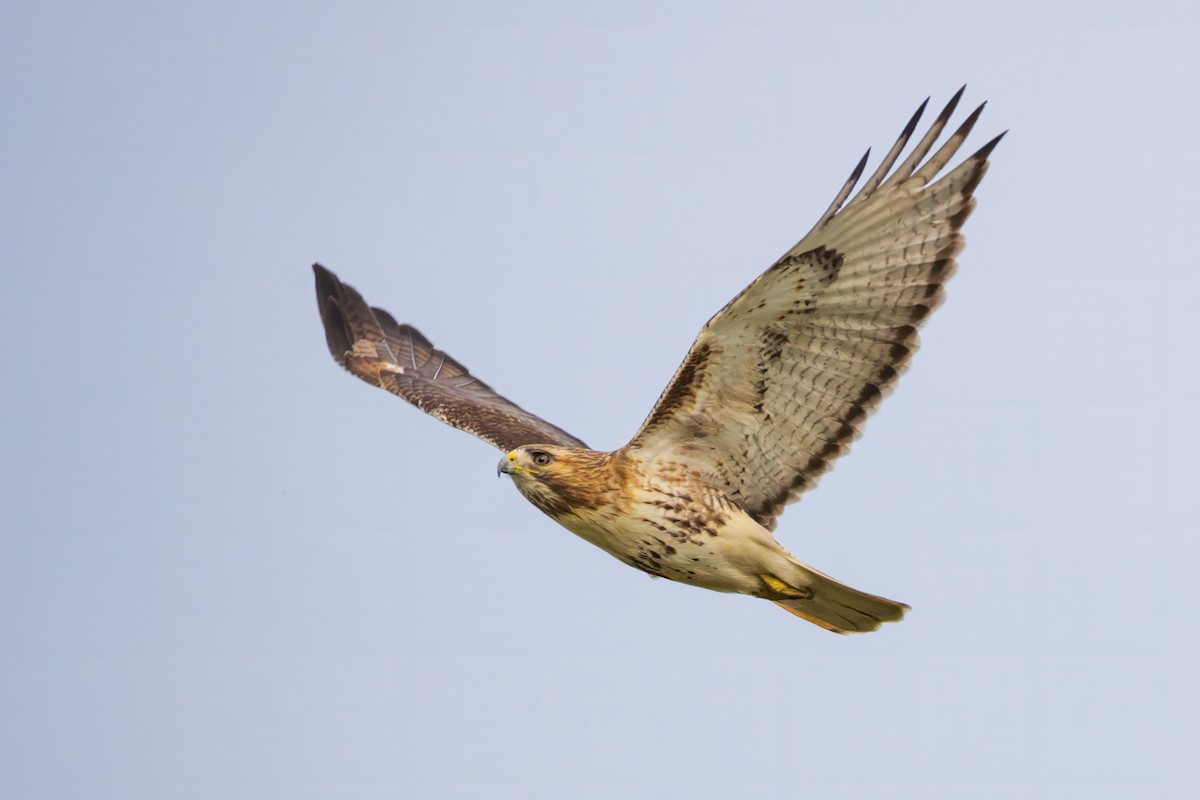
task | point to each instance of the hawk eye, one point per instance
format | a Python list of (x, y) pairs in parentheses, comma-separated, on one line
[(541, 457)]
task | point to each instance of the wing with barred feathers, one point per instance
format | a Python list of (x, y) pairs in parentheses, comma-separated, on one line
[(369, 343), (778, 383)]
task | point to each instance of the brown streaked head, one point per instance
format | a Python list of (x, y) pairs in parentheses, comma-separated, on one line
[(557, 479)]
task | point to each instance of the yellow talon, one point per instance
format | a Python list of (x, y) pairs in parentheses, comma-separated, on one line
[(778, 586)]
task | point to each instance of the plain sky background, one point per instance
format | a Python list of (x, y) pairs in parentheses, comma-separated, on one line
[(230, 570)]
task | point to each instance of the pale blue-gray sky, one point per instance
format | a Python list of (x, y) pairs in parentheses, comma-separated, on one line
[(231, 570)]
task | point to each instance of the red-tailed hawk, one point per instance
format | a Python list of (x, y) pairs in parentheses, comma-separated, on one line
[(776, 386)]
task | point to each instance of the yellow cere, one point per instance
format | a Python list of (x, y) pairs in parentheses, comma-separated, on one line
[(517, 467)]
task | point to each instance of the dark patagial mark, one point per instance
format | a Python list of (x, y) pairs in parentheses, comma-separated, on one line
[(683, 388)]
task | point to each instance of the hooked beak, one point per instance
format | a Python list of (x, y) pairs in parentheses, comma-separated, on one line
[(506, 466)]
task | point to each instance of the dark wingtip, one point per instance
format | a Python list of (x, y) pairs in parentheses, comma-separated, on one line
[(328, 287), (916, 118), (982, 153), (980, 159), (337, 335), (327, 282), (948, 111), (858, 170), (967, 125)]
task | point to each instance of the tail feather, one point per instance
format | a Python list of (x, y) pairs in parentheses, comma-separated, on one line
[(834, 606)]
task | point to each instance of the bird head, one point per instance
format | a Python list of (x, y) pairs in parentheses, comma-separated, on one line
[(560, 480), (528, 461)]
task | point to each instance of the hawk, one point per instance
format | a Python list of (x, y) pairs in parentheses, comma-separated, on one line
[(774, 389)]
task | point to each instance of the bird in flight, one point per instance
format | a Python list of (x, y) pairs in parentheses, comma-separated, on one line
[(774, 389)]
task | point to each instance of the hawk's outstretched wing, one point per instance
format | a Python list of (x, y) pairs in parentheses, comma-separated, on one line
[(371, 344), (778, 383)]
